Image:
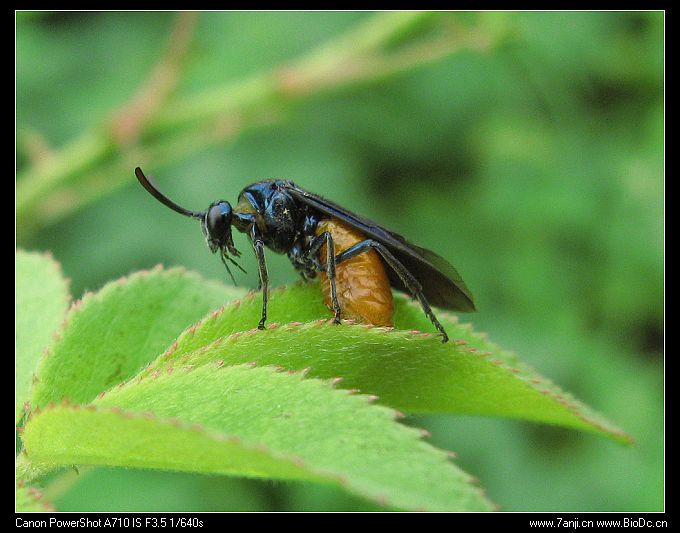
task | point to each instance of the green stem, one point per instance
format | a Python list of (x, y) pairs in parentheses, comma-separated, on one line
[(97, 163), (71, 161), (365, 39)]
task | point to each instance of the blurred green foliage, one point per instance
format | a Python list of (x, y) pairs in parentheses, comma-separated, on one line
[(536, 167)]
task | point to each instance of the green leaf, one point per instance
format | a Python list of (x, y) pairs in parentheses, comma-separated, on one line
[(42, 298), (29, 500), (109, 336), (258, 422), (409, 370)]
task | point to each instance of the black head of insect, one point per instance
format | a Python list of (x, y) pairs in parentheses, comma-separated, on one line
[(216, 222)]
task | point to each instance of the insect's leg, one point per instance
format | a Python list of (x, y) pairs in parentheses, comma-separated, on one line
[(258, 247), (409, 281), (314, 246)]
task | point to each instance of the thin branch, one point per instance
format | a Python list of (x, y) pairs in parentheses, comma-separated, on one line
[(80, 156), (164, 78), (98, 162)]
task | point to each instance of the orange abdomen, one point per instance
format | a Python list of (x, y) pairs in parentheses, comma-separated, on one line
[(362, 284)]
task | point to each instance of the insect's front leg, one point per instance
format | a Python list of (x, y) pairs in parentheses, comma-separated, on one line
[(258, 248), (311, 255)]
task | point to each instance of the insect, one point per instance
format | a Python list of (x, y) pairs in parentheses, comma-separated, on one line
[(357, 260)]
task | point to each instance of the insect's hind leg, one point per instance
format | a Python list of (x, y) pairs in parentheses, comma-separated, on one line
[(409, 281), (314, 247)]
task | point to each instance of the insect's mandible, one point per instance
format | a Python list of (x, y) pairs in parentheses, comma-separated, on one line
[(357, 260)]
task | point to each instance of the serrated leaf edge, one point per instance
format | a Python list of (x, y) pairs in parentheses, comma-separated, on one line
[(89, 297), (57, 268), (520, 371), (55, 265), (37, 496), (414, 432), (537, 382)]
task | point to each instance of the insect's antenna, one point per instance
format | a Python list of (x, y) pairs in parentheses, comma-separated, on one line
[(158, 195)]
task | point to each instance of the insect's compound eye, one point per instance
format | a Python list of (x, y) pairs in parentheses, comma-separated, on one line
[(218, 221)]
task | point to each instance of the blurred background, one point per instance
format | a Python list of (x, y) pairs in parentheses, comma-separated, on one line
[(527, 148)]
